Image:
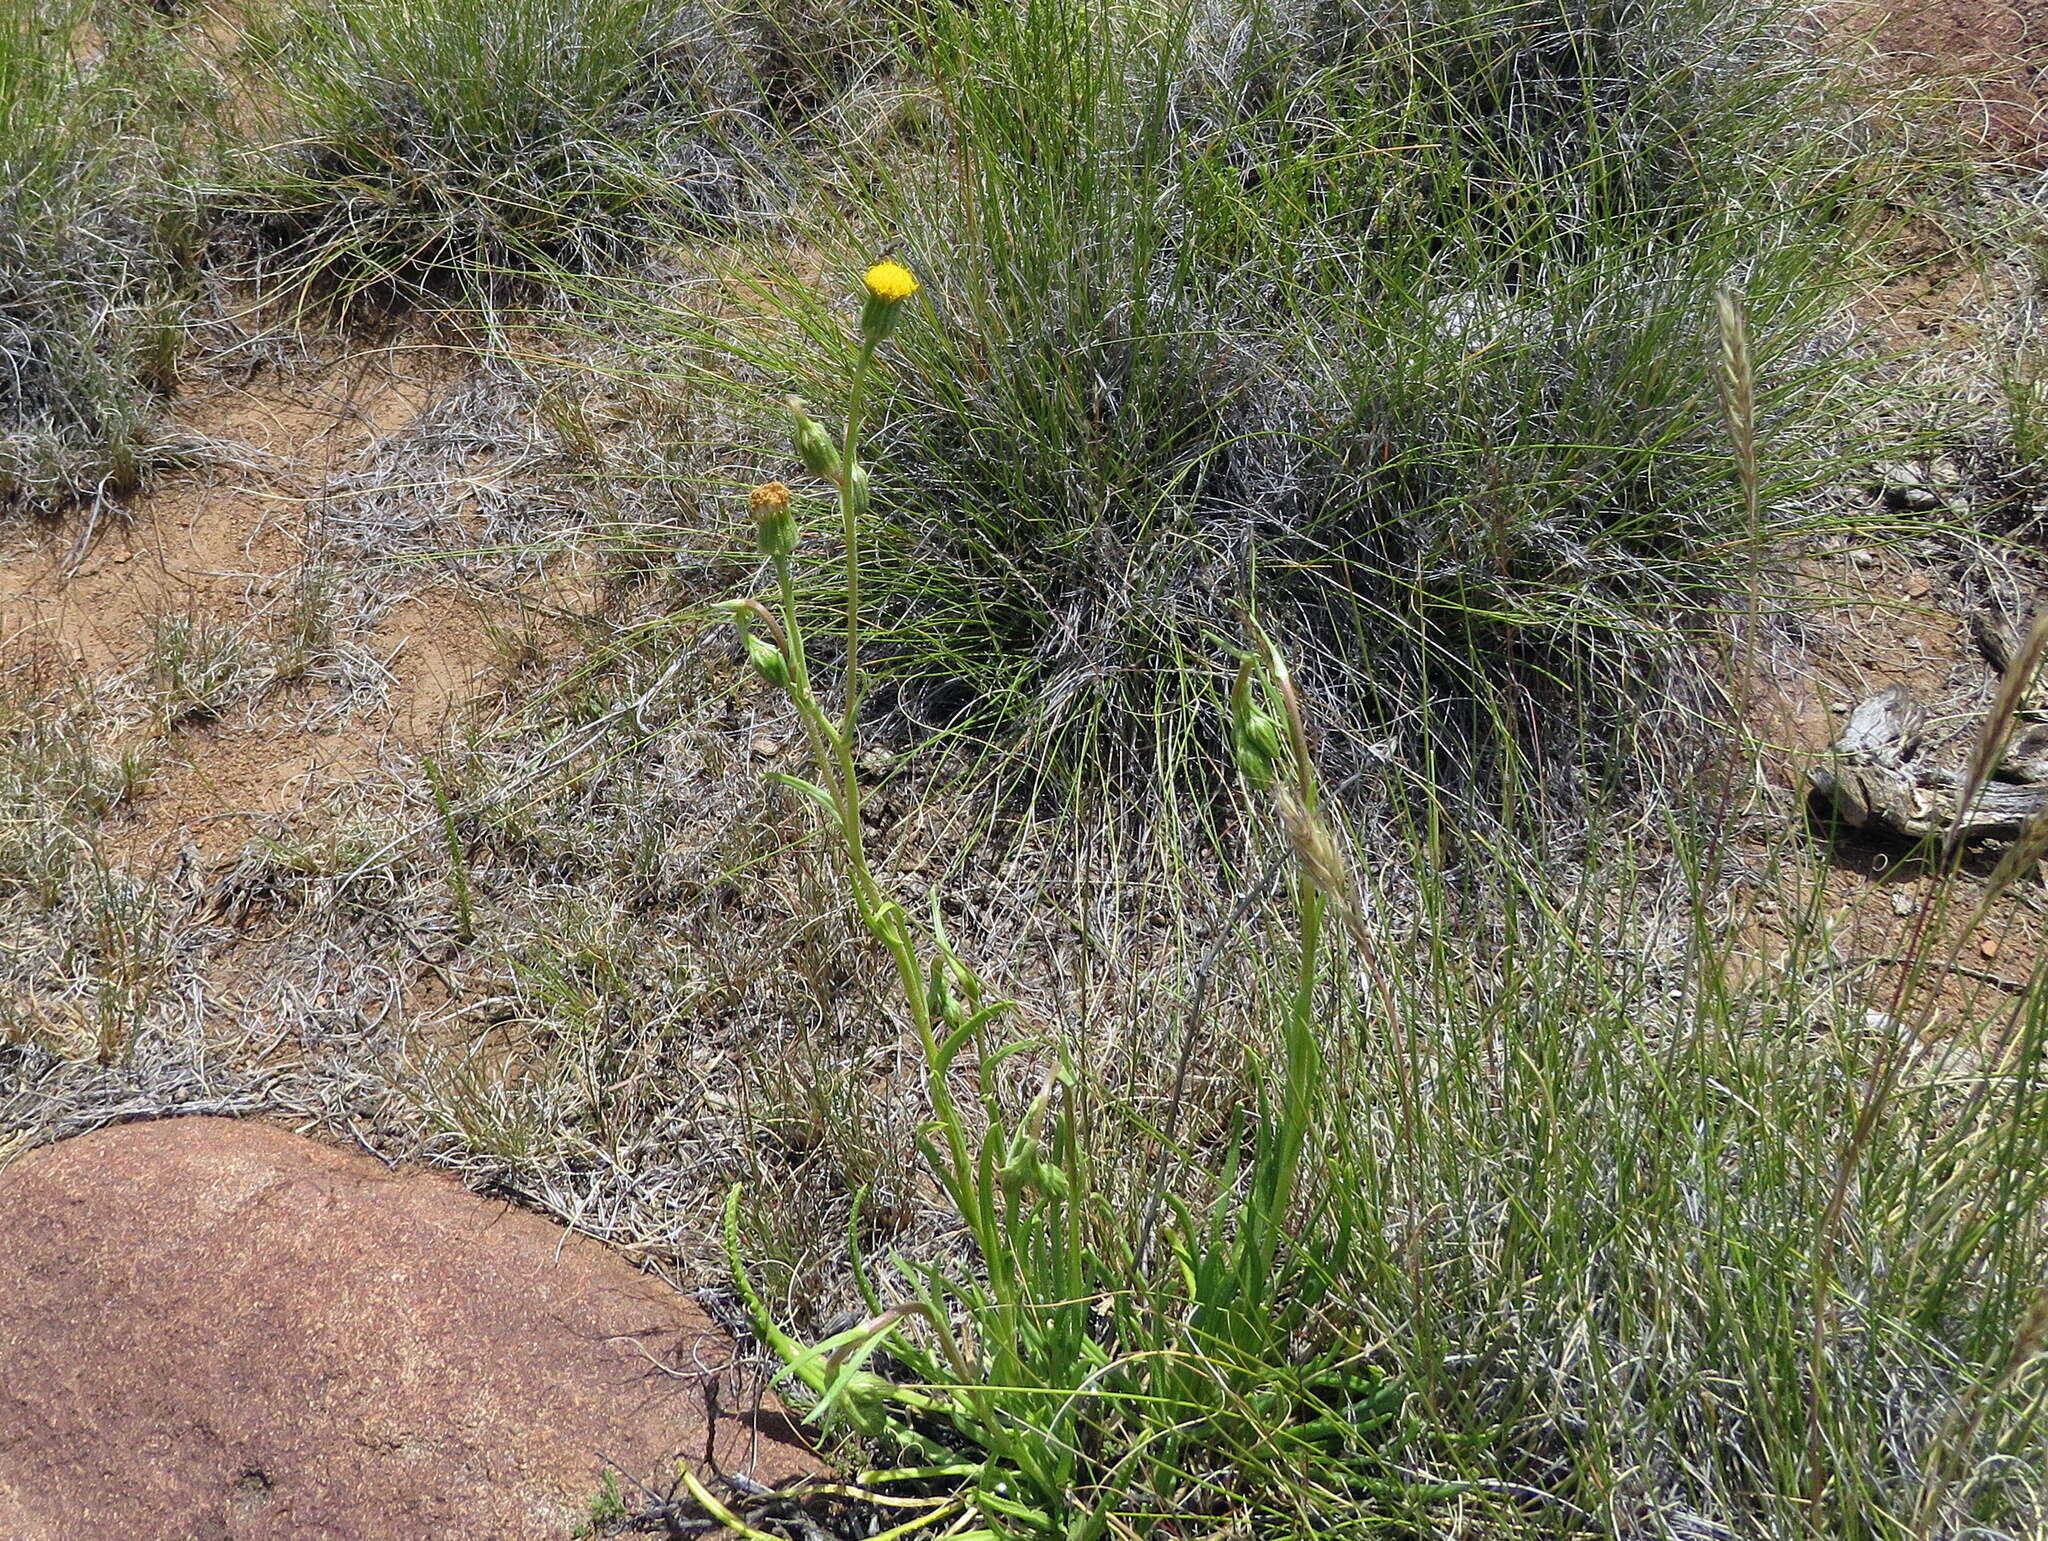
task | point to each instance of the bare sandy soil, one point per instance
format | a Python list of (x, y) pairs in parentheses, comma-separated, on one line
[(235, 546)]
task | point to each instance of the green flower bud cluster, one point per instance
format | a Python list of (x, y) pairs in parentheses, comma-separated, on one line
[(1256, 737), (1025, 1165)]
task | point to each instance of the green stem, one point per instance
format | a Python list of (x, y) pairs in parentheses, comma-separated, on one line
[(874, 905), (816, 728), (832, 749), (850, 524), (832, 746)]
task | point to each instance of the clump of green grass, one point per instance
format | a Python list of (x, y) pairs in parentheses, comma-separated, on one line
[(55, 783), (423, 147), (1384, 320), (194, 667), (95, 235), (1532, 1223)]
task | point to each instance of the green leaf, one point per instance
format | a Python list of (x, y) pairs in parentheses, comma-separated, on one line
[(810, 789)]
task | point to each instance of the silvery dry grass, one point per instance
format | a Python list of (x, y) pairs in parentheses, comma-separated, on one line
[(57, 775), (444, 149), (96, 235), (194, 667)]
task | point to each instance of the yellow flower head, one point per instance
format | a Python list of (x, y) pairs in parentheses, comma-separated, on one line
[(768, 498), (891, 282)]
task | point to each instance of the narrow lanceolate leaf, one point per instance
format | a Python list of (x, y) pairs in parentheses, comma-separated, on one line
[(810, 789)]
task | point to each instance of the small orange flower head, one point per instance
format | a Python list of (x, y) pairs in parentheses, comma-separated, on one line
[(774, 527)]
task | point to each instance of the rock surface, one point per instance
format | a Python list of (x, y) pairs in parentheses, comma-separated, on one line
[(214, 1330)]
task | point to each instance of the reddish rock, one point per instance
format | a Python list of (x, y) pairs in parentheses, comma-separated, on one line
[(213, 1330)]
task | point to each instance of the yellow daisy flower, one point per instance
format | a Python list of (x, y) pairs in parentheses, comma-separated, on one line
[(891, 282)]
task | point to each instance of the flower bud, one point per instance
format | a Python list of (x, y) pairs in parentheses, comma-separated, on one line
[(940, 1000), (774, 526), (814, 446), (1020, 1168), (767, 660), (857, 491), (1027, 1168), (888, 284), (1256, 739)]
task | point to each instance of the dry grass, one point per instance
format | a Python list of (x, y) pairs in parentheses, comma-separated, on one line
[(97, 233), (566, 939)]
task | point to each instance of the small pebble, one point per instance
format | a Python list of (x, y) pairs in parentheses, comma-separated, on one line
[(1903, 904), (1988, 947), (1864, 558)]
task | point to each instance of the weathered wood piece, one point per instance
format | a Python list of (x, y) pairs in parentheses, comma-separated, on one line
[(1999, 634), (1877, 782), (2025, 757)]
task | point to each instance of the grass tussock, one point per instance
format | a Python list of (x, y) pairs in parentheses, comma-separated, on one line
[(95, 237), (1391, 321), (428, 147), (807, 56)]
